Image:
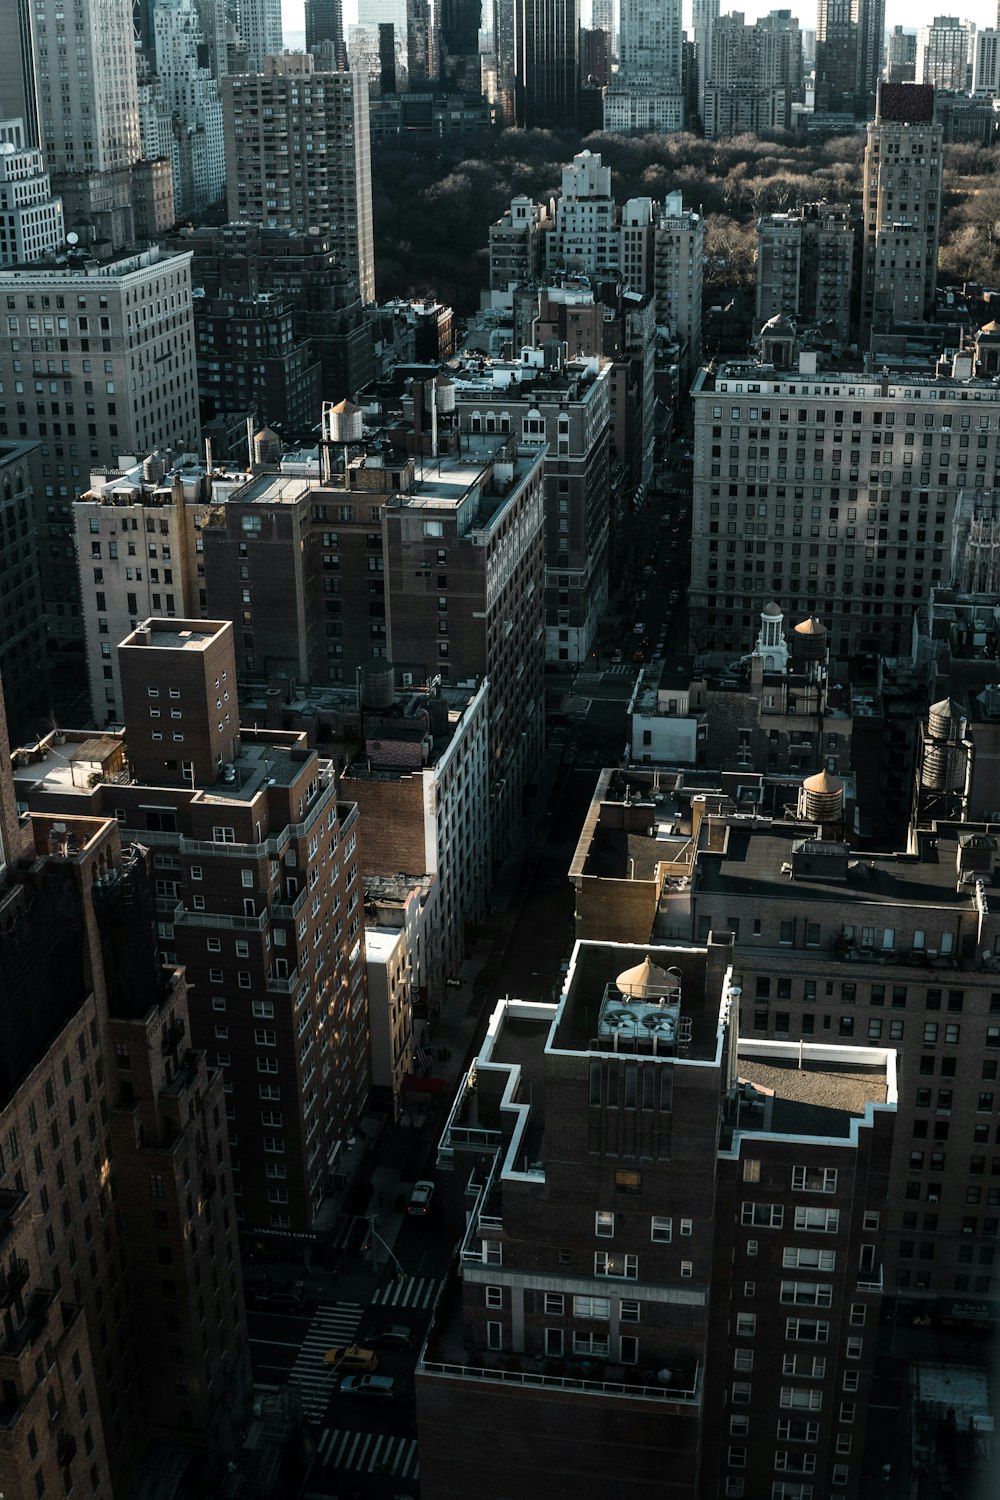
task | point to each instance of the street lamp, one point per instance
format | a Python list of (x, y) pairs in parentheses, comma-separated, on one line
[(400, 1273)]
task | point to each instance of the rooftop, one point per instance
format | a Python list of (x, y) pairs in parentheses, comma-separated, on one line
[(824, 1094), (756, 862)]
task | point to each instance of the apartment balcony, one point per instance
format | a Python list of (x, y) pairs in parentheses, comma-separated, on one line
[(288, 911), (13, 1279), (871, 1280), (221, 920), (170, 908), (283, 984)]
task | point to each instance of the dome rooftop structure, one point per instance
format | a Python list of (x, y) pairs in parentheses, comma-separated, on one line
[(772, 610)]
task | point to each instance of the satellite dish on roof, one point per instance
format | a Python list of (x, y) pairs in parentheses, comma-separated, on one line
[(72, 238)]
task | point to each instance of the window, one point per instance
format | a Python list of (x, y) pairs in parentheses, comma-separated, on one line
[(661, 1230), (554, 1303), (494, 1296), (806, 1258), (751, 1171), (807, 1293), (494, 1336), (807, 1330), (628, 1310), (616, 1265), (604, 1225), (592, 1307), (820, 1220), (554, 1342), (746, 1325), (764, 1215), (598, 1344), (814, 1179)]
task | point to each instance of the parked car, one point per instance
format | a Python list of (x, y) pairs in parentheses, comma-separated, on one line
[(353, 1357), (383, 1386), (391, 1336), (290, 1300), (420, 1198), (638, 628)]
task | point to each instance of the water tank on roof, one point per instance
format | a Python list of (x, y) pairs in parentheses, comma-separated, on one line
[(821, 799), (378, 683), (346, 422), (445, 394), (809, 640), (266, 446), (945, 720), (153, 468)]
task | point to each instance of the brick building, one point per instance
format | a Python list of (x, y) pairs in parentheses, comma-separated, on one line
[(258, 893), (624, 1150), (251, 359), (123, 1327), (22, 635), (836, 493)]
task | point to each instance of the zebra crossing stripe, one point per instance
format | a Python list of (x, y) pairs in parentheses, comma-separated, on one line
[(366, 1451)]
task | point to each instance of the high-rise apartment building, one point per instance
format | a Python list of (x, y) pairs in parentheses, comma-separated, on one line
[(986, 63), (646, 92), (298, 155), (567, 407), (834, 494), (123, 1328), (674, 1247), (88, 111), (464, 573), (517, 242), (805, 267), (258, 894), (31, 216), (260, 31), (747, 85), (22, 641), (458, 47), (850, 46), (546, 61), (704, 15), (901, 56), (944, 53), (191, 95), (585, 236), (18, 79), (325, 23), (251, 360), (901, 209), (124, 382)]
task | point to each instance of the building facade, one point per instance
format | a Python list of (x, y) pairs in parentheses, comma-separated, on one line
[(305, 132), (805, 263), (545, 37), (901, 208), (31, 217), (23, 668), (126, 383)]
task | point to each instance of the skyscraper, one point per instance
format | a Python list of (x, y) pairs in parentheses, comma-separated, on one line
[(260, 30), (646, 93), (89, 112), (850, 44), (18, 89), (325, 23), (546, 37), (291, 168), (191, 94), (902, 208), (943, 53)]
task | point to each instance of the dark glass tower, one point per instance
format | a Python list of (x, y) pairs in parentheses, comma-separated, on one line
[(546, 62)]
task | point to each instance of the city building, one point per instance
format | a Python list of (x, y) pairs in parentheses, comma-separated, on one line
[(516, 243), (850, 49), (986, 63), (546, 60), (646, 93), (23, 669), (463, 555), (420, 779), (704, 14), (747, 78), (124, 1343), (584, 235), (88, 112), (18, 80), (251, 360), (126, 383), (944, 52), (260, 31), (564, 408), (190, 93), (258, 890), (901, 209), (306, 272), (325, 23), (631, 1160), (390, 1011), (825, 504), (305, 132), (678, 260), (901, 64), (805, 262), (595, 57), (31, 217)]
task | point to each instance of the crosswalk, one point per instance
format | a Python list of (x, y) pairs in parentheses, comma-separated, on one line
[(622, 669), (417, 1292), (368, 1452), (332, 1325)]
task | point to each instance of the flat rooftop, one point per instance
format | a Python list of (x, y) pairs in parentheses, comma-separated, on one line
[(752, 859), (820, 1097)]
